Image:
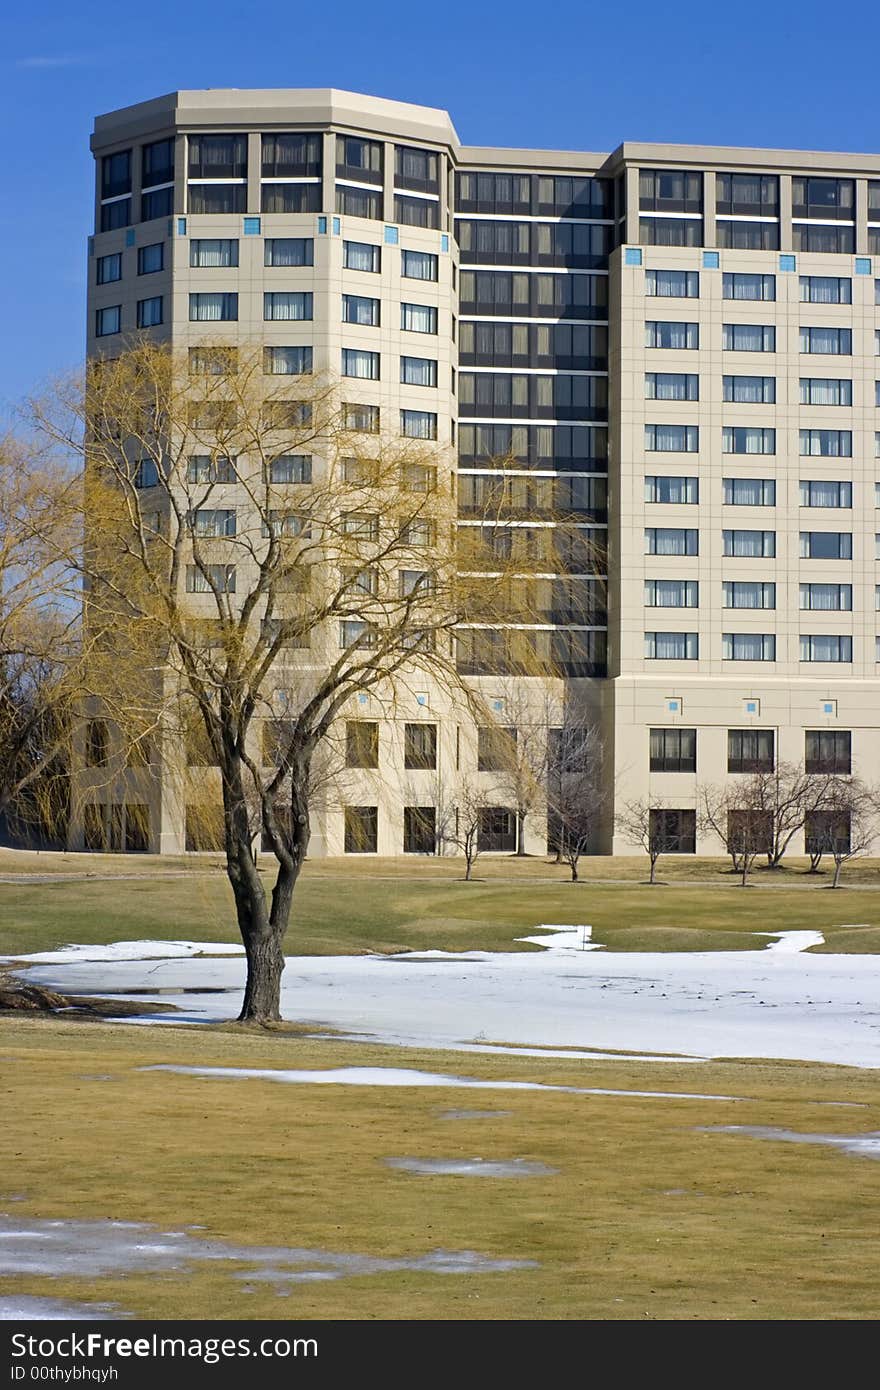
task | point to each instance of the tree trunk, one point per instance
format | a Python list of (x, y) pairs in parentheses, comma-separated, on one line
[(265, 963), (574, 871), (745, 869), (838, 865), (520, 834), (653, 869)]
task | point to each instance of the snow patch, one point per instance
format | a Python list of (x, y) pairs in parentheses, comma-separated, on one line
[(862, 1145), (132, 950), (472, 1167)]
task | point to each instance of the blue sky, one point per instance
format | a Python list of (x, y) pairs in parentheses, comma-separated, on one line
[(746, 73)]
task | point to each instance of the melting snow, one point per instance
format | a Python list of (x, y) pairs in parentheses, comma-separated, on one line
[(778, 1002), (863, 1145)]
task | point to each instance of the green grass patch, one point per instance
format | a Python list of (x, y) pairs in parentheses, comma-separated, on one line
[(338, 909)]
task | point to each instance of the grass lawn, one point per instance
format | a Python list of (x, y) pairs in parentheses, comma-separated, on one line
[(647, 1216), (356, 905)]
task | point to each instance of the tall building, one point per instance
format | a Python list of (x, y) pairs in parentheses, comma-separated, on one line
[(673, 347)]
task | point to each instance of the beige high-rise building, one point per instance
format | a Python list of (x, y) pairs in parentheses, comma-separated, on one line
[(676, 347)]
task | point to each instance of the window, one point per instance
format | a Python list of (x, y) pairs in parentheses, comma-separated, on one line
[(288, 252), (747, 236), (361, 255), (826, 545), (748, 337), (825, 443), (361, 743), (750, 750), (672, 335), (286, 525), (363, 526), (672, 386), (672, 284), (213, 253), (673, 750), (157, 163), (116, 174), (419, 265), (211, 523), (741, 593), (205, 469), (213, 308), (825, 391), (834, 341), (836, 598), (209, 579), (749, 390), (146, 474), (415, 168), (418, 318), (358, 202), (749, 492), (825, 289), (822, 198), (671, 540), (659, 489), (828, 750), (108, 321), (747, 439), (672, 439), (828, 831), (418, 371), (217, 156), (358, 309), (825, 494), (416, 212), (286, 415), (149, 312), (672, 646), (748, 646), (420, 746), (806, 237), (419, 477), (287, 305), (671, 593), (496, 748), (675, 831), (291, 468), (749, 544), (218, 198), (361, 829), (292, 154), (748, 286), (361, 158), (670, 231), (497, 830), (814, 647), (419, 830), (97, 742), (418, 424), (418, 532), (108, 269), (358, 363), (363, 418), (115, 214), (287, 361), (418, 582)]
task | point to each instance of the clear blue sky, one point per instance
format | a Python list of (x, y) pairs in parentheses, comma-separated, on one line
[(737, 73)]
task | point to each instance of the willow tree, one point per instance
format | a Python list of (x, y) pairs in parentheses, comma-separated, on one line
[(263, 553), (40, 635)]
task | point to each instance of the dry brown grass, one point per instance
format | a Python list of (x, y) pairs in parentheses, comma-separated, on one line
[(647, 1217)]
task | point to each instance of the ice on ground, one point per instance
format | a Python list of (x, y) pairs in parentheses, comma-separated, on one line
[(782, 1003), (791, 942), (863, 1145), (132, 950), (24, 1308), (579, 1054), (87, 1249), (473, 1167), (405, 1076)]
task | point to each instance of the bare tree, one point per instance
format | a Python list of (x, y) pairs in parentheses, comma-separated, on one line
[(462, 820), (745, 829), (575, 786), (845, 826), (788, 795), (251, 535), (643, 823)]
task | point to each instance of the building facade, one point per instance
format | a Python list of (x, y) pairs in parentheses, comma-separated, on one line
[(672, 348)]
